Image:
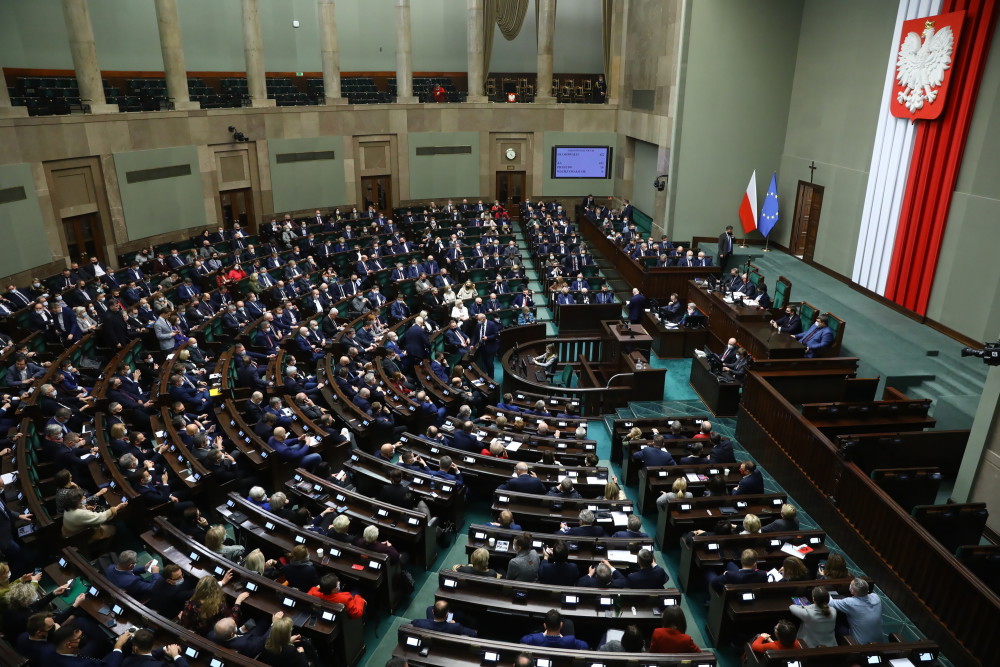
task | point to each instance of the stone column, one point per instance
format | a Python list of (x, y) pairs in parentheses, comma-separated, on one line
[(173, 55), (253, 50), (404, 55), (6, 110), (329, 52), (81, 45), (476, 40), (546, 31)]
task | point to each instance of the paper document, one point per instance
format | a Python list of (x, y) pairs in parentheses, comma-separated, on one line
[(620, 518), (621, 556), (901, 662), (773, 575), (513, 446), (797, 551)]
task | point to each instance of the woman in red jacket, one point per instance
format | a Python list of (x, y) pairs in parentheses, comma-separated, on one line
[(785, 640), (329, 590), (671, 638)]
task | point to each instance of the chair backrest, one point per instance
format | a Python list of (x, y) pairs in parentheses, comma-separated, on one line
[(807, 313), (782, 292), (567, 375)]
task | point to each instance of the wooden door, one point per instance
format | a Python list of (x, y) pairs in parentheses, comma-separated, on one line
[(377, 191), (510, 191), (808, 203), (84, 239), (237, 206)]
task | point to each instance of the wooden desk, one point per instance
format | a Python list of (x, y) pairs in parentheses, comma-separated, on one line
[(658, 479), (679, 343), (580, 317), (584, 551), (749, 325), (705, 512), (704, 553), (620, 428), (722, 398), (620, 340), (492, 603), (547, 513), (448, 650)]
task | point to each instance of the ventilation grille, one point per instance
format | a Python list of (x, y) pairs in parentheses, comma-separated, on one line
[(173, 171), (312, 156)]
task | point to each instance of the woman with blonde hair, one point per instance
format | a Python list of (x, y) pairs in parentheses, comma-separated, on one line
[(255, 561), (215, 540), (751, 525), (479, 563), (280, 649), (207, 605), (468, 291), (677, 490), (612, 491), (84, 320), (634, 434)]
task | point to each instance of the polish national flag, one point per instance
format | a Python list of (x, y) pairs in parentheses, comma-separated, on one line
[(748, 207)]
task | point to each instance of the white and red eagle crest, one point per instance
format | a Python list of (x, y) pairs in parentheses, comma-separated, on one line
[(924, 65)]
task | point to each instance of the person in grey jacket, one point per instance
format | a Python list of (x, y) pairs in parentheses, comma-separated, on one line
[(818, 619), (523, 566), (164, 332)]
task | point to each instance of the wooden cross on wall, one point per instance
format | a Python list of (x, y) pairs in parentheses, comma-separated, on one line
[(812, 170)]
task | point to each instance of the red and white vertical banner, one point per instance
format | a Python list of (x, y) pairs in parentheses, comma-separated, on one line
[(932, 85), (748, 205)]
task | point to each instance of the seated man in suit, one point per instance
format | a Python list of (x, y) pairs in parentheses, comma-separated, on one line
[(746, 573), (523, 482), (23, 372), (552, 636), (818, 336), (752, 482), (633, 529), (250, 644), (649, 574), (456, 338), (863, 611), (789, 323), (654, 456), (440, 623), (126, 576), (588, 526), (734, 283), (603, 575), (465, 440)]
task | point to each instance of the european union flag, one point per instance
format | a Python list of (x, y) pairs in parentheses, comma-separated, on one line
[(769, 212)]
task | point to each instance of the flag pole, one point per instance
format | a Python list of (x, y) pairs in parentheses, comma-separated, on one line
[(743, 241), (767, 242)]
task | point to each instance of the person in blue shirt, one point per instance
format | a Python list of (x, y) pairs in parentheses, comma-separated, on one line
[(552, 636), (863, 611), (818, 336)]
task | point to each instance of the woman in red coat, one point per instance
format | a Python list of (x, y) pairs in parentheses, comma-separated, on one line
[(670, 638)]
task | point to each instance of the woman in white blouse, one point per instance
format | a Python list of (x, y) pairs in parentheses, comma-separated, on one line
[(83, 320), (460, 312), (468, 291)]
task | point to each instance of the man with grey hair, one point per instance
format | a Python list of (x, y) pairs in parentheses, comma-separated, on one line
[(523, 481), (126, 576), (863, 611), (602, 575), (581, 432), (369, 540), (588, 526)]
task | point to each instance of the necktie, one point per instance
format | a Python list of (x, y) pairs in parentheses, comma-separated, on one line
[(810, 335)]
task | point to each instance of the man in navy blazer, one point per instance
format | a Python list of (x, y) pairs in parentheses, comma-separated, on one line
[(752, 482), (588, 526), (635, 306), (487, 336), (817, 337), (649, 574), (250, 644), (465, 440), (523, 482), (126, 576), (747, 573), (416, 342), (440, 622), (144, 655), (654, 456)]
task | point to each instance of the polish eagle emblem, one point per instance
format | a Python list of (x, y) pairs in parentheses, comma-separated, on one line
[(921, 65)]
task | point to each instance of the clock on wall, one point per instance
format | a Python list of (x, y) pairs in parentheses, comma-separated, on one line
[(511, 154)]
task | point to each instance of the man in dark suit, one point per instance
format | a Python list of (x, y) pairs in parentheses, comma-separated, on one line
[(465, 440), (752, 482), (487, 337), (587, 528), (789, 323), (636, 305), (649, 574), (456, 338), (225, 633), (725, 250), (788, 520), (144, 655), (9, 544), (722, 452), (416, 341), (440, 622), (67, 642), (588, 202), (524, 482), (654, 456), (747, 573)]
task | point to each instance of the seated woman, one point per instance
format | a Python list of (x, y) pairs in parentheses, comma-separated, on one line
[(215, 540), (479, 563), (77, 517), (547, 359), (677, 490), (460, 312), (468, 291), (208, 605), (784, 640), (671, 637), (525, 317)]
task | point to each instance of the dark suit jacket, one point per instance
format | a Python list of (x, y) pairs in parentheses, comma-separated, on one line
[(524, 484), (416, 343), (752, 483), (654, 577), (635, 307)]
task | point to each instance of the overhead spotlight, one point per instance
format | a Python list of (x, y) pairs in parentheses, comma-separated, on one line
[(237, 135), (661, 182)]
